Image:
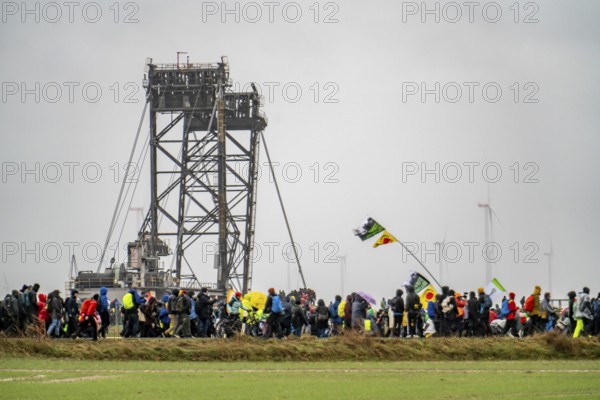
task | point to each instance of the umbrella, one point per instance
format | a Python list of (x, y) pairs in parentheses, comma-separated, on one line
[(258, 300), (367, 297)]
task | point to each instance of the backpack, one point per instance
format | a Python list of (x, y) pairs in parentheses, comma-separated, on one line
[(128, 301), (172, 304), (9, 306), (447, 306), (487, 302), (183, 305), (333, 312), (323, 314), (504, 310), (341, 308), (529, 302), (581, 305), (26, 301), (276, 306)]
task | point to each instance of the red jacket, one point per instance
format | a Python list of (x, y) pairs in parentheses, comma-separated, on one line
[(512, 310), (41, 306), (88, 308)]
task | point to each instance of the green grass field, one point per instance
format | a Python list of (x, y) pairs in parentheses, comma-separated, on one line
[(352, 367), (32, 378)]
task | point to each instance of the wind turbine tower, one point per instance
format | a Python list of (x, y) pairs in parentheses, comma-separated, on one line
[(342, 260), (440, 246), (549, 255), (489, 237)]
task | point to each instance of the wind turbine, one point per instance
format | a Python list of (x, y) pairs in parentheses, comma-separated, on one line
[(6, 287), (489, 235), (549, 255), (342, 272)]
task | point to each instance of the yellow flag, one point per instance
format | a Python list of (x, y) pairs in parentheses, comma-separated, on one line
[(427, 295), (385, 238)]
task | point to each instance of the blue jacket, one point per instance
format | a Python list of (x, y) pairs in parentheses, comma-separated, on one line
[(103, 306), (333, 311), (136, 297), (431, 309), (193, 314), (163, 316)]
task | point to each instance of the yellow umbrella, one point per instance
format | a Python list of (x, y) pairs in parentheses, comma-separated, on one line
[(258, 300)]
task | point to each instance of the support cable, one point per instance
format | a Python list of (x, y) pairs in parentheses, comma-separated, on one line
[(287, 224), (113, 221)]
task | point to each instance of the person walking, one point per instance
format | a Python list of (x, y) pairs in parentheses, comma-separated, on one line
[(72, 310), (274, 308), (322, 319), (397, 304), (172, 312), (55, 307), (104, 311), (413, 306), (184, 304), (204, 306), (88, 313), (510, 328), (583, 313), (299, 319), (485, 304)]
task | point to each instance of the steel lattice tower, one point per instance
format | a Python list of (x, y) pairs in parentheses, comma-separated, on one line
[(204, 142)]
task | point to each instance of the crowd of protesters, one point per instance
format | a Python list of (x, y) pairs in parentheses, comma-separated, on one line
[(474, 314), (183, 314)]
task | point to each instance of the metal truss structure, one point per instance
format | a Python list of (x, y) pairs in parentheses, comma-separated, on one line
[(204, 142)]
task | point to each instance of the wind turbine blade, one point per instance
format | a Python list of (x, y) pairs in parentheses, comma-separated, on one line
[(492, 212)]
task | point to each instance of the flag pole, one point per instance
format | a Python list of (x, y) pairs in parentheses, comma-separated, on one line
[(419, 261)]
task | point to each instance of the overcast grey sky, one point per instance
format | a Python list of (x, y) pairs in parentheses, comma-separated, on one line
[(386, 93)]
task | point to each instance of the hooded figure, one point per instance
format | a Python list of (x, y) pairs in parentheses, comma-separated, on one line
[(204, 309), (55, 311), (583, 309), (15, 305), (397, 306), (359, 313), (510, 328), (413, 303), (163, 316), (413, 308), (103, 303), (537, 309), (104, 311), (397, 302), (41, 307), (71, 305), (322, 318), (583, 312)]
